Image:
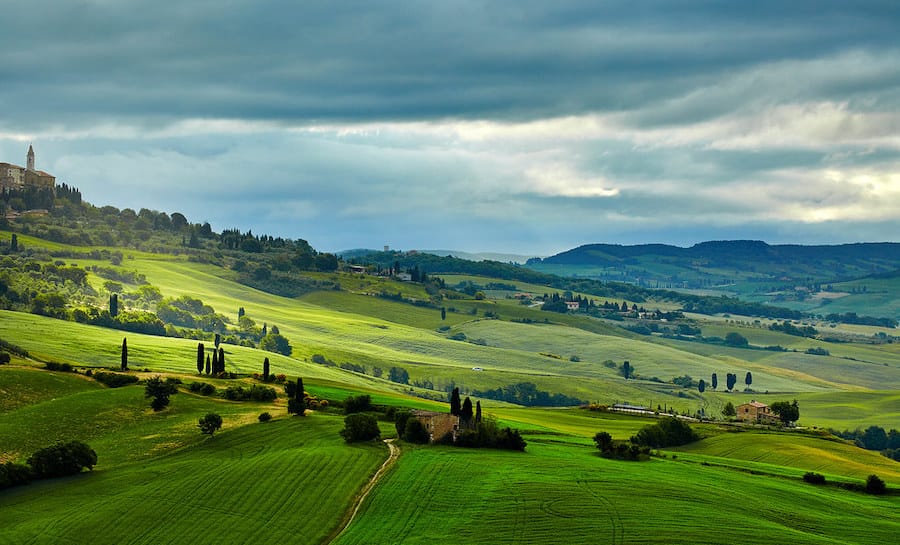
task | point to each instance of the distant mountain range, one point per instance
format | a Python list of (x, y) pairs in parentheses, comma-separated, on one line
[(480, 256), (724, 262)]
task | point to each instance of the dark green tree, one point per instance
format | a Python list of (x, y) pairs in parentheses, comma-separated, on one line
[(398, 375), (875, 438), (748, 380), (414, 431), (736, 339), (730, 380), (215, 362), (265, 330), (627, 370), (360, 427), (200, 351), (701, 386), (273, 342), (124, 364), (477, 412), (209, 364), (787, 412), (210, 424), (455, 405), (443, 313), (874, 485), (715, 381), (114, 305), (266, 370), (728, 409), (218, 340), (466, 413), (221, 360), (297, 399), (62, 459), (241, 312), (603, 440), (14, 243), (160, 390)]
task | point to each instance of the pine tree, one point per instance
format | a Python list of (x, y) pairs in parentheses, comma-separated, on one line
[(200, 350), (125, 354), (454, 402)]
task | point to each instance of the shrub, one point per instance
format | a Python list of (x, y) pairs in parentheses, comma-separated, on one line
[(265, 417), (202, 388), (255, 392), (814, 478), (62, 459), (668, 432), (63, 367), (357, 404), (12, 474), (210, 423), (160, 390), (360, 427), (415, 431), (874, 485), (4, 358), (114, 380)]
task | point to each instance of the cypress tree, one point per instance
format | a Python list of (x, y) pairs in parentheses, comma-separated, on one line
[(200, 350), (465, 414), (443, 313), (221, 360), (215, 362), (266, 370), (454, 402), (14, 243), (208, 364), (125, 354), (265, 330), (218, 340), (477, 412), (114, 305), (715, 381)]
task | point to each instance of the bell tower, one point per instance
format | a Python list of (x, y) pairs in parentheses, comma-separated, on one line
[(29, 163)]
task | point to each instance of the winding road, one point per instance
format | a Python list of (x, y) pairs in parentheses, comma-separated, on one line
[(364, 493)]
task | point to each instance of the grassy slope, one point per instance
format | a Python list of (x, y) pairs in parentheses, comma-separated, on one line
[(563, 493)]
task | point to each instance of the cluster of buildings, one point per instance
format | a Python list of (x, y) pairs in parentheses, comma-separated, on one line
[(16, 178)]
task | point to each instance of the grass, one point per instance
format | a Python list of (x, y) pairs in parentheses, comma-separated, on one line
[(288, 480), (565, 493)]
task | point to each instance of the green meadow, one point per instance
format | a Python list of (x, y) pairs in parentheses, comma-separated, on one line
[(158, 480)]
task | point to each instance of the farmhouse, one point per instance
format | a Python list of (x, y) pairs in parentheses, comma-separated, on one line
[(437, 424), (755, 412), (572, 305), (15, 178)]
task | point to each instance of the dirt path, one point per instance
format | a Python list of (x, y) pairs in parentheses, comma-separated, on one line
[(364, 493)]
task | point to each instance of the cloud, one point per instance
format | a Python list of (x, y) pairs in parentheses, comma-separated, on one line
[(471, 125)]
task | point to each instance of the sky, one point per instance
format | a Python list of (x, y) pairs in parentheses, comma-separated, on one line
[(524, 127)]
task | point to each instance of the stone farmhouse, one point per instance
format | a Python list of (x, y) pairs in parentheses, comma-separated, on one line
[(755, 412), (14, 177), (437, 424)]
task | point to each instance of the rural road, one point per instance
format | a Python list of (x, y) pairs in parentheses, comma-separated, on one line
[(392, 457)]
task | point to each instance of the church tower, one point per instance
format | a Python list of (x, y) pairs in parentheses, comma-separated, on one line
[(30, 159)]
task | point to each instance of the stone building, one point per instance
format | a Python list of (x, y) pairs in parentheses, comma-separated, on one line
[(438, 424), (755, 412), (14, 177)]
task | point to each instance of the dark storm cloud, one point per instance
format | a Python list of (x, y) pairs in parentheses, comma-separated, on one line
[(152, 62)]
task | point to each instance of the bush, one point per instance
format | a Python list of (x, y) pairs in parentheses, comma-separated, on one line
[(114, 380), (202, 388), (874, 485), (4, 358), (255, 392), (210, 423), (265, 417), (668, 432), (415, 431), (360, 427), (14, 475), (64, 367), (62, 459), (814, 478), (357, 404), (273, 342)]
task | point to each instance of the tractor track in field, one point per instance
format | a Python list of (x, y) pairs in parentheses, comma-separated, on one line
[(364, 493)]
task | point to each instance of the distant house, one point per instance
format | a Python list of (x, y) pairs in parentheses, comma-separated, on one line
[(755, 412), (437, 424), (573, 305), (357, 269), (404, 277)]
